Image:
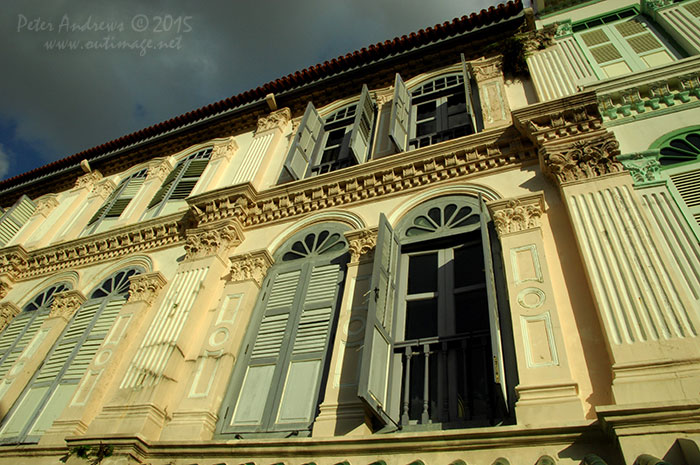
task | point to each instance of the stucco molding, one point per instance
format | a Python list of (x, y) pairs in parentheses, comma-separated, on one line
[(6, 283), (158, 169), (66, 303), (213, 240), (8, 311), (581, 159), (225, 149), (361, 244), (46, 204), (88, 180), (517, 214), (103, 189), (145, 287), (276, 119), (487, 68), (251, 266), (643, 166), (13, 261)]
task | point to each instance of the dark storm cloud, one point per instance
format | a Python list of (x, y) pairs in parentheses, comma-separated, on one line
[(114, 82)]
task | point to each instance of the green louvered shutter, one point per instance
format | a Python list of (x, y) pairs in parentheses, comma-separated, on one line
[(400, 111), (189, 179), (360, 138), (304, 143), (687, 185), (377, 352), (14, 218), (466, 76), (167, 184)]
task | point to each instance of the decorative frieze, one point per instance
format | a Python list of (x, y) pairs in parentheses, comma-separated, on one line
[(251, 266), (45, 204), (66, 303), (145, 287), (276, 119), (517, 214), (88, 180), (643, 166), (8, 311), (362, 243), (581, 159), (215, 239), (225, 149)]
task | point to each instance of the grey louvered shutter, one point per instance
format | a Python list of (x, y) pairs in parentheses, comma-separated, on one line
[(14, 218), (304, 367), (499, 374), (374, 388), (468, 91), (302, 149), (400, 110), (167, 184), (99, 213), (360, 138)]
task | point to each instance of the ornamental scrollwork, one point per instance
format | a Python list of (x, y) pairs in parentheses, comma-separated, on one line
[(145, 287), (644, 167), (202, 243), (88, 180), (361, 243), (225, 149), (250, 267), (13, 261), (8, 311), (487, 68), (159, 169), (66, 303), (45, 204), (276, 119), (519, 214), (582, 159)]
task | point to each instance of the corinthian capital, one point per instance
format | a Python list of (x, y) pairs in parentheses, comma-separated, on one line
[(88, 180), (276, 119), (213, 240), (145, 287), (251, 266), (361, 243), (66, 303), (225, 149), (581, 159), (517, 214)]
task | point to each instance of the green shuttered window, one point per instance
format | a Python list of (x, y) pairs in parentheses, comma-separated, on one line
[(180, 182), (118, 200)]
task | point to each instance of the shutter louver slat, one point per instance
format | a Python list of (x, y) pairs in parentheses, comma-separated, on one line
[(693, 8), (312, 332), (167, 184), (195, 169), (283, 290), (644, 43), (183, 189), (630, 27), (270, 336), (593, 38), (605, 53)]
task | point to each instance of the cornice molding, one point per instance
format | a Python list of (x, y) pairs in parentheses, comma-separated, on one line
[(8, 311), (251, 266), (215, 239), (66, 303), (390, 175), (517, 214), (362, 243), (145, 287)]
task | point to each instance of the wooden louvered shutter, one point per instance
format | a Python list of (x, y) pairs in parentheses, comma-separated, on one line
[(400, 110), (167, 184), (304, 144), (127, 193), (687, 185), (644, 43), (189, 179), (17, 337), (360, 138), (14, 218), (468, 91), (98, 215), (374, 388), (605, 53)]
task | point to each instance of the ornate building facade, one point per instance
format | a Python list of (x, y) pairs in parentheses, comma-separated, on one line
[(476, 244)]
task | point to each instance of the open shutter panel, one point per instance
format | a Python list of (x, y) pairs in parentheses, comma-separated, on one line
[(167, 184), (468, 91), (400, 110), (310, 335), (360, 139), (373, 386), (688, 186), (13, 220), (107, 205), (494, 323), (258, 383), (304, 143), (125, 196)]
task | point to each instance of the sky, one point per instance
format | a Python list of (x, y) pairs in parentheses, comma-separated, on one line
[(76, 74)]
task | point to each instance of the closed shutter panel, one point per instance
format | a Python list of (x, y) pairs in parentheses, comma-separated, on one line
[(302, 149), (9, 339), (14, 218), (687, 185), (644, 43), (605, 53), (373, 386), (360, 138), (167, 184), (400, 110)]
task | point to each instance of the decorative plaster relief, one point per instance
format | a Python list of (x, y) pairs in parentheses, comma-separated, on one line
[(531, 298), (103, 189), (251, 266), (8, 311), (88, 180), (643, 166), (229, 309), (205, 374), (487, 68), (538, 339), (145, 287), (276, 119), (225, 149), (525, 263), (13, 261), (158, 169), (5, 285), (517, 214), (45, 204), (581, 159), (362, 244), (66, 303), (205, 242)]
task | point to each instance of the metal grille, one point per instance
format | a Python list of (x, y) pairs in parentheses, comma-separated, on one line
[(593, 38)]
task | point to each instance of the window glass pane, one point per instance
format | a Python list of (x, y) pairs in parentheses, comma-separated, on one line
[(422, 129), (422, 273), (425, 110), (421, 319), (471, 311), (468, 265)]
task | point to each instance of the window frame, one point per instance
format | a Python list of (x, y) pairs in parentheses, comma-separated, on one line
[(123, 192)]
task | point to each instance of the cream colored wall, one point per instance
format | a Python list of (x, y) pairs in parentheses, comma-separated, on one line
[(637, 136)]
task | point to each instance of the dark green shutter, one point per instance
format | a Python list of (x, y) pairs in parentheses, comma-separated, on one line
[(374, 387), (304, 143), (14, 218), (400, 110), (360, 138), (167, 184)]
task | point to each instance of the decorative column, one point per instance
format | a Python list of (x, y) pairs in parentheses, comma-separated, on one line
[(107, 366), (650, 322), (147, 393), (209, 369), (342, 412), (546, 392), (488, 74), (255, 167)]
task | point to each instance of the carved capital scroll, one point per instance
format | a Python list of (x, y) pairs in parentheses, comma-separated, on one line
[(158, 169), (66, 303), (517, 214), (45, 204), (643, 166), (8, 311), (251, 266), (361, 243), (215, 239), (581, 159), (88, 180), (225, 149), (276, 119), (145, 287)]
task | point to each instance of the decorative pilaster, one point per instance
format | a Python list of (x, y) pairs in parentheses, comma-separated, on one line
[(88, 180), (45, 205), (252, 266), (275, 120), (488, 74), (8, 311), (581, 159), (66, 303), (362, 243), (546, 391), (146, 287), (217, 238)]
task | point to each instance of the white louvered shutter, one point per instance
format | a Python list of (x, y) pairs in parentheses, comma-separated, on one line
[(304, 143), (14, 218), (360, 138), (687, 187)]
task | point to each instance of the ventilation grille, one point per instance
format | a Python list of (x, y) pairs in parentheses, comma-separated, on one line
[(594, 38), (644, 43)]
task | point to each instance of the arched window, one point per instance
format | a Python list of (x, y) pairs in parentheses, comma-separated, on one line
[(276, 385), (178, 185), (433, 348), (117, 202), (53, 385)]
